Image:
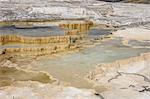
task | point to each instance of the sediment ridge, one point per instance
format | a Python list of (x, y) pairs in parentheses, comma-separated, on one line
[(81, 27), (36, 40), (46, 45), (40, 50)]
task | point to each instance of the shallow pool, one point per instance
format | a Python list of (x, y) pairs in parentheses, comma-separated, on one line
[(33, 32), (73, 67)]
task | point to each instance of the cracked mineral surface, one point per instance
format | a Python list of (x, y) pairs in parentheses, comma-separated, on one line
[(74, 49)]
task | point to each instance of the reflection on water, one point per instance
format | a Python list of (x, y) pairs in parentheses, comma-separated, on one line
[(36, 32), (95, 32)]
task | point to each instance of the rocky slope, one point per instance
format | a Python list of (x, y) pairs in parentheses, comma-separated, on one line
[(115, 14)]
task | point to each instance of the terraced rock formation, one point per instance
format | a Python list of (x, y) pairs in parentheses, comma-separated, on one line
[(33, 33), (61, 37), (34, 40), (80, 28)]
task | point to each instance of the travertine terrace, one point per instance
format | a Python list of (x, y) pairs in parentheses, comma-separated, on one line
[(74, 49)]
